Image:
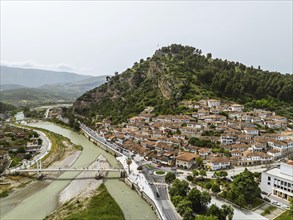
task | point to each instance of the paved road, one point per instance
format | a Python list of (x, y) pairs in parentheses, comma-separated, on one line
[(159, 189)]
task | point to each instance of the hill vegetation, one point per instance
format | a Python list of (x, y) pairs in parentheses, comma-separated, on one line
[(176, 73)]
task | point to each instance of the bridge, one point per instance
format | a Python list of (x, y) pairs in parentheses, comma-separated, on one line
[(39, 170)]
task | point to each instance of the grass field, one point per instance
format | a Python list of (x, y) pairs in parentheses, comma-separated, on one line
[(100, 206), (285, 216)]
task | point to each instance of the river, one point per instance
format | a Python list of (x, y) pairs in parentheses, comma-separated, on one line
[(30, 204)]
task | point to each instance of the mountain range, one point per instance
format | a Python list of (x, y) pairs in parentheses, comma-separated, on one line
[(36, 87), (177, 73)]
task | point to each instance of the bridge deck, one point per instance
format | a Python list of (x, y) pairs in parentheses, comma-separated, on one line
[(68, 170)]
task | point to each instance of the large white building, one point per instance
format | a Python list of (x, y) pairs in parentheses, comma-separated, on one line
[(279, 181)]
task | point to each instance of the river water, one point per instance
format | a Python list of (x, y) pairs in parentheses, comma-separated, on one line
[(30, 204)]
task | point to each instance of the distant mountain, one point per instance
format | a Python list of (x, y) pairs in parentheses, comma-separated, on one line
[(61, 92), (178, 73), (4, 87), (74, 89), (36, 77), (31, 97)]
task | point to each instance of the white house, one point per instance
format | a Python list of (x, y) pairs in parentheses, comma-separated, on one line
[(251, 131), (278, 181), (219, 163), (213, 103)]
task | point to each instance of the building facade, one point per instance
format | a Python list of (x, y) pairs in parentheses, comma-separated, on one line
[(279, 181)]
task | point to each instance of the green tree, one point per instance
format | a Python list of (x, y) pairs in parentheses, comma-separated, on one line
[(209, 186), (199, 200), (180, 188), (221, 173), (176, 199), (182, 205), (216, 188), (194, 173), (188, 214), (199, 162), (244, 189), (170, 177), (189, 178), (202, 172)]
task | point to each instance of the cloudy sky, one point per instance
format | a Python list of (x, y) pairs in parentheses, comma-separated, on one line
[(97, 37)]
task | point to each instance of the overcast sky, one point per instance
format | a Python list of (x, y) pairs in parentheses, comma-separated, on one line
[(97, 38)]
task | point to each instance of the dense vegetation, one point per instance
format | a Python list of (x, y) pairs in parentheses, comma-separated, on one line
[(101, 206), (6, 107), (244, 190), (189, 202), (177, 73)]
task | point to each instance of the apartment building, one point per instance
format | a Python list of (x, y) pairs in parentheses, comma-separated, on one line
[(279, 181)]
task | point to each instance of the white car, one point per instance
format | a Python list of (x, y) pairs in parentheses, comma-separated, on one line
[(284, 206)]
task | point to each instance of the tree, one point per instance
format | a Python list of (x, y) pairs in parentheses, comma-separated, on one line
[(40, 141), (176, 199), (202, 172), (244, 189), (199, 200), (189, 178), (228, 211), (221, 173), (209, 186), (170, 177), (180, 188), (188, 214), (216, 188), (182, 205), (194, 173), (199, 161)]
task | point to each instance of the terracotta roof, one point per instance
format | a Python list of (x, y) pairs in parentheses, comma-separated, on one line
[(186, 156)]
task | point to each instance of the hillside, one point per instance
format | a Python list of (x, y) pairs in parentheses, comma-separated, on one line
[(4, 87), (30, 97), (176, 73), (74, 89), (36, 77)]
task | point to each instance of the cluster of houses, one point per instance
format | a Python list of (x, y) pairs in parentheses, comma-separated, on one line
[(250, 138), (17, 144)]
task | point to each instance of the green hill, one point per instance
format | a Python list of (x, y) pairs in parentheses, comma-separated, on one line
[(177, 73)]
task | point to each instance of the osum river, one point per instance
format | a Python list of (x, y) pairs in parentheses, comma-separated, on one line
[(38, 199)]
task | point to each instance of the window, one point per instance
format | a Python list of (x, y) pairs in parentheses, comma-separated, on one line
[(269, 178), (281, 182), (285, 183), (269, 183)]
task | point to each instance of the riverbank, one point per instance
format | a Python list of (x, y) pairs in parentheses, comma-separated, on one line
[(42, 202), (19, 187), (83, 191), (101, 205)]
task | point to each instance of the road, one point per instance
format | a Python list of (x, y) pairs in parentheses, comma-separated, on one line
[(160, 191)]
